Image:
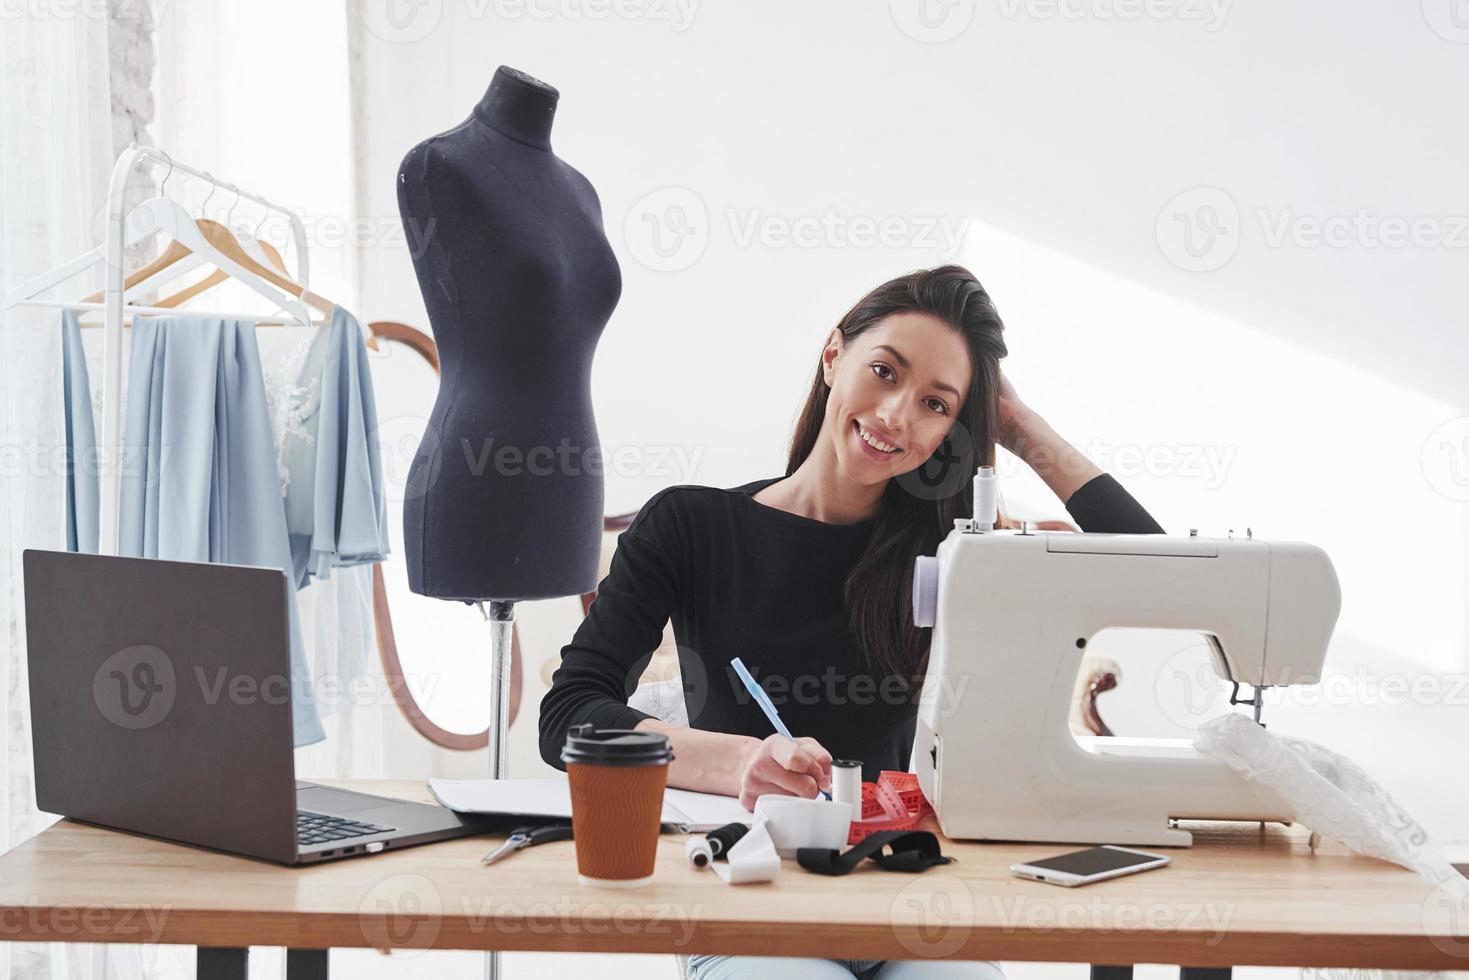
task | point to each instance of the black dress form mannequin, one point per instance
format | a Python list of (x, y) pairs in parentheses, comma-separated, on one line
[(505, 496)]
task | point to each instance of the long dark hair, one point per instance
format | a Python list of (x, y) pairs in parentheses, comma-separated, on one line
[(919, 508)]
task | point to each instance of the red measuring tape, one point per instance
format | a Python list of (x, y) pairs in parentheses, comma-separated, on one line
[(894, 802)]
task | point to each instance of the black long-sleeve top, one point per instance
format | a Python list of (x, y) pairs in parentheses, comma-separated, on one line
[(743, 579)]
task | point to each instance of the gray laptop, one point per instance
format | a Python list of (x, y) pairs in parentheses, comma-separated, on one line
[(160, 704)]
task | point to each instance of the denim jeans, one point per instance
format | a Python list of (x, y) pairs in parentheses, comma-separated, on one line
[(791, 968)]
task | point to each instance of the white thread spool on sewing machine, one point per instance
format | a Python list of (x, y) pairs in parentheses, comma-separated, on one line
[(986, 498)]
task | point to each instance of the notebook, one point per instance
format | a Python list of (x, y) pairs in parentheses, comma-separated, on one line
[(551, 797)]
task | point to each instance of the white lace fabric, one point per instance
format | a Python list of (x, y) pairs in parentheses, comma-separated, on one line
[(290, 358), (1330, 793)]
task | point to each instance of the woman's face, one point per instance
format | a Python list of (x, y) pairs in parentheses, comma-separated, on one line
[(899, 384)]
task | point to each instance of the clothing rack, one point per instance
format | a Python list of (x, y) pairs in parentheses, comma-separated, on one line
[(109, 437)]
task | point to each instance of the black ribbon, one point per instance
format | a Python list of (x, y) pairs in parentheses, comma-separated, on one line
[(912, 851)]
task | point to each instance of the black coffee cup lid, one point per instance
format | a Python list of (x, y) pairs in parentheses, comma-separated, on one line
[(615, 747)]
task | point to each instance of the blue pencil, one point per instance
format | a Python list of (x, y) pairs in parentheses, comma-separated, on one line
[(763, 700)]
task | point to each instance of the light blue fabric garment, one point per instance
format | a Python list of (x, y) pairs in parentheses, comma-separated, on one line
[(199, 478), (325, 419), (335, 509), (201, 483), (83, 507)]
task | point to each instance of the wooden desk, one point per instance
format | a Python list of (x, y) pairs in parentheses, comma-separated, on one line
[(1242, 895)]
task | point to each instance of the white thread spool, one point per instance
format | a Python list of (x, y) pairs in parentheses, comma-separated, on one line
[(846, 785), (697, 850), (986, 498)]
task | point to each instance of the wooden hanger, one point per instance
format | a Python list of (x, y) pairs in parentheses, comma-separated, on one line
[(216, 277), (223, 241), (142, 280), (171, 255), (163, 214)]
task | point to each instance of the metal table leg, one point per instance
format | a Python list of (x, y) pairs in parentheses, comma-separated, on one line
[(1100, 972), (222, 963), (306, 964)]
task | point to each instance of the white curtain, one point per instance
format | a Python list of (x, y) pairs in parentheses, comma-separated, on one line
[(257, 94), (77, 89), (56, 153), (58, 123)]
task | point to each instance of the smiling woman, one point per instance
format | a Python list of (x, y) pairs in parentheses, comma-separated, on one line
[(806, 577), (903, 407)]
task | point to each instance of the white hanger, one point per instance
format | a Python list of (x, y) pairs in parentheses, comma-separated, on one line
[(53, 277), (173, 269), (247, 239), (158, 214), (268, 262), (163, 214), (108, 258)]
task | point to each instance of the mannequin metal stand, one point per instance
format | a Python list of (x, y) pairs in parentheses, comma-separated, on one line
[(502, 625), (502, 619)]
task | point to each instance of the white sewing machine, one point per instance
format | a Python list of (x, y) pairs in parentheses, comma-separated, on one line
[(1012, 612)]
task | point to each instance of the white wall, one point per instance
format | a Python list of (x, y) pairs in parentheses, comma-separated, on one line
[(1139, 193)]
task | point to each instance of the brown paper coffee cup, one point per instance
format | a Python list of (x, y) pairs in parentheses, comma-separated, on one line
[(617, 780)]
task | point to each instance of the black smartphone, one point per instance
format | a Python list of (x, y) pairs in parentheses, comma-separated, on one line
[(1092, 864)]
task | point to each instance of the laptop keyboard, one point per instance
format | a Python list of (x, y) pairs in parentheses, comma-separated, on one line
[(319, 828)]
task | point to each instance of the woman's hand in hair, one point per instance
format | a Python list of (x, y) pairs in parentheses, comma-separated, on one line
[(782, 767), (1025, 433), (1016, 418)]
